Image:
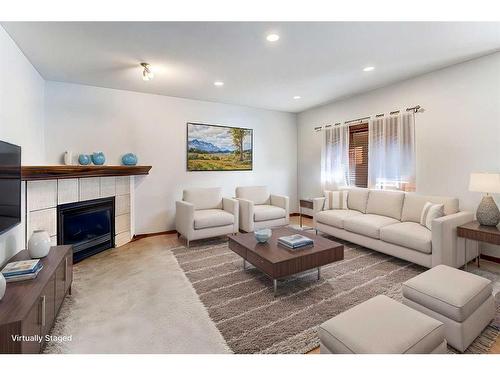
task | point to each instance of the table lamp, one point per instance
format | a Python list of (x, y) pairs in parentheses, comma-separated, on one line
[(487, 211)]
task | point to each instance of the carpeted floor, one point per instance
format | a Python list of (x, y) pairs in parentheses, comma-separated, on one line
[(135, 299), (252, 320)]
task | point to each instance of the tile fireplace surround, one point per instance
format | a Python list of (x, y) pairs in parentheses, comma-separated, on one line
[(43, 197)]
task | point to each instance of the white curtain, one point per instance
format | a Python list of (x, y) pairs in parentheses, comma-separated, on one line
[(335, 157), (391, 152)]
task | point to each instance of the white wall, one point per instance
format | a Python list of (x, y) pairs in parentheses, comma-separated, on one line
[(85, 119), (21, 120), (458, 133)]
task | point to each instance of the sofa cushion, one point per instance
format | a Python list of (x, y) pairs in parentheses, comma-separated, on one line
[(212, 218), (264, 212), (203, 198), (408, 234), (256, 194), (430, 212), (448, 291), (414, 203), (368, 224), (335, 218), (381, 325), (357, 198), (385, 203), (336, 200)]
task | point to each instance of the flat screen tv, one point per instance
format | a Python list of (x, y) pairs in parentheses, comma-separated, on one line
[(10, 186)]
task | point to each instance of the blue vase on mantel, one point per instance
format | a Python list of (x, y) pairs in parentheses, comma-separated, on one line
[(129, 159), (98, 158), (84, 159)]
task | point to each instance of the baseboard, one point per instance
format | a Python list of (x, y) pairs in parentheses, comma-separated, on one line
[(490, 258), (145, 235)]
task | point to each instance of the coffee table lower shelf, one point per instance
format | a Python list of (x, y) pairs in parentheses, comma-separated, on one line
[(275, 281)]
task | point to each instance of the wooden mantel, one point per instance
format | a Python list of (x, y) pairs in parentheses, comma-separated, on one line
[(51, 172)]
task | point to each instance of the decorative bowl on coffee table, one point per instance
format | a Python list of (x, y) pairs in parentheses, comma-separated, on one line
[(263, 235)]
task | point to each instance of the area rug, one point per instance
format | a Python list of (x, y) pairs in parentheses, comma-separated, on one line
[(251, 320)]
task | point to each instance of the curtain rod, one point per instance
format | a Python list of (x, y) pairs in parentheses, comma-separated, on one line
[(415, 109)]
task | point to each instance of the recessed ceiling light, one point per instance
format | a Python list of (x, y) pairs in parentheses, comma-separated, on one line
[(297, 97), (272, 37), (368, 69), (147, 73), (218, 83)]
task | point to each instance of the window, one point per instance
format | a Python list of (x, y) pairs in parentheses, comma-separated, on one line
[(358, 155), (379, 154)]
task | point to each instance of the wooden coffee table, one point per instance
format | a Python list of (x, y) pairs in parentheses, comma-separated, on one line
[(277, 261)]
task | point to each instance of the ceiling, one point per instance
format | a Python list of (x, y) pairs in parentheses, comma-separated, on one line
[(319, 61)]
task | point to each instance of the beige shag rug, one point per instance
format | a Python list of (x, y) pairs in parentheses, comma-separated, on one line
[(251, 320)]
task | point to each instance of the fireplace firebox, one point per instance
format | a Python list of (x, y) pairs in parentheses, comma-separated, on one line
[(89, 226)]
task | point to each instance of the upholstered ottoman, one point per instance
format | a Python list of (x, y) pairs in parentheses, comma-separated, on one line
[(461, 300), (382, 326)]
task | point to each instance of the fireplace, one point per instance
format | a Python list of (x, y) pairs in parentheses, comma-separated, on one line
[(89, 226)]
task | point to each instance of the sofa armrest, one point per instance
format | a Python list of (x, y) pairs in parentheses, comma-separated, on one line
[(444, 238), (246, 214), (184, 218), (281, 201), (232, 206)]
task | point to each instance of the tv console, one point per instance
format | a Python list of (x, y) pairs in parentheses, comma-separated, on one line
[(29, 308)]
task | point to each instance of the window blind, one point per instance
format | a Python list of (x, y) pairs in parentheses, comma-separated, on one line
[(358, 155)]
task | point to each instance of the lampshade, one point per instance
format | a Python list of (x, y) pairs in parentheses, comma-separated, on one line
[(485, 182)]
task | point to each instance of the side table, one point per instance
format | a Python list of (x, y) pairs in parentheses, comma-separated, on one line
[(304, 203), (477, 232)]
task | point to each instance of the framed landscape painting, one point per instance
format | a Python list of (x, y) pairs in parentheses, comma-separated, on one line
[(219, 148)]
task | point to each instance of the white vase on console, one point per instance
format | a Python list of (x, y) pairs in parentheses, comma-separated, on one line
[(3, 285), (39, 244), (68, 158)]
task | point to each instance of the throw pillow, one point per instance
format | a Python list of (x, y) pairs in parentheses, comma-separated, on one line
[(430, 212), (338, 199)]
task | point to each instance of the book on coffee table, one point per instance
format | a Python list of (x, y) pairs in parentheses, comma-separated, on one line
[(295, 241)]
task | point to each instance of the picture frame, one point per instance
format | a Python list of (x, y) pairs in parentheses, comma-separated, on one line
[(212, 147)]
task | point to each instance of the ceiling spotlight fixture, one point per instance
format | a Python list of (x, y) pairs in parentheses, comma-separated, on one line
[(368, 69), (297, 97), (273, 37), (147, 74), (218, 83)]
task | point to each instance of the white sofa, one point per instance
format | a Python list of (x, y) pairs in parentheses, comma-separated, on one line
[(260, 209), (389, 222), (204, 213)]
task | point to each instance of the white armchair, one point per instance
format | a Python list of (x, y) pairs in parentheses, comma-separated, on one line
[(204, 213), (260, 209)]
